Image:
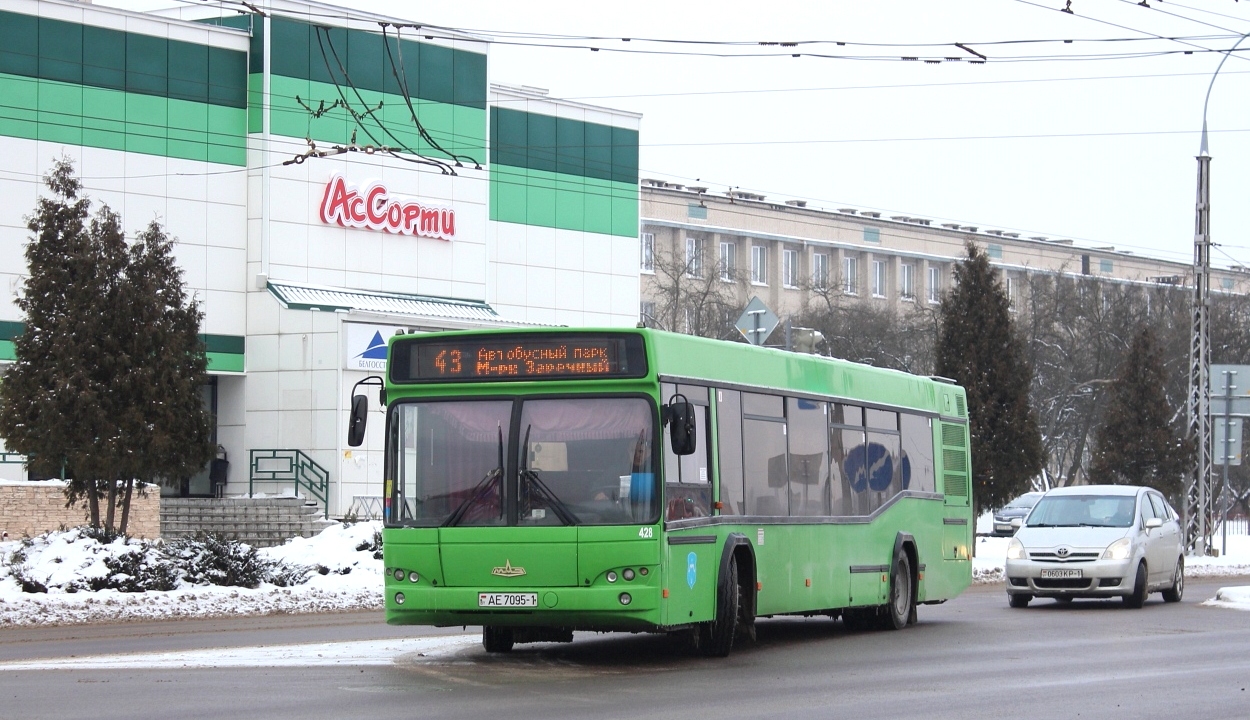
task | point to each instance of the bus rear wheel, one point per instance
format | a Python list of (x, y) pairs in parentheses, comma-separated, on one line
[(497, 639), (898, 610), (716, 638)]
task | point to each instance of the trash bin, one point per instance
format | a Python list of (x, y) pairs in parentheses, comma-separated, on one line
[(218, 469)]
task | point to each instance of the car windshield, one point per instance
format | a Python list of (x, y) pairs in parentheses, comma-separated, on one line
[(578, 461), (1083, 511), (1024, 501)]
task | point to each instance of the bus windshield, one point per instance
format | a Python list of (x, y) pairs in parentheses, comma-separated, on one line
[(578, 461)]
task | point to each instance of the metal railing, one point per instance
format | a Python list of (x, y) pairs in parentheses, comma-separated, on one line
[(282, 467)]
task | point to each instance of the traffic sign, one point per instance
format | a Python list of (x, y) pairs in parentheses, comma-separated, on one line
[(757, 322), (1230, 449)]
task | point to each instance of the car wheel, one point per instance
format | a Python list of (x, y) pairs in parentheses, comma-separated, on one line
[(497, 639), (898, 609), (1019, 601), (1138, 598), (1174, 593)]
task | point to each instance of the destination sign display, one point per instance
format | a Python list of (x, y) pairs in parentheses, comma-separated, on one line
[(518, 358)]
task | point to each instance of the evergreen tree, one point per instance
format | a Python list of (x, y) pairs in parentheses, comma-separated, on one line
[(102, 388), (1137, 443), (171, 428), (978, 348)]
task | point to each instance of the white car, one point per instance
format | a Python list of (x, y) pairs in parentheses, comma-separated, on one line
[(1096, 541)]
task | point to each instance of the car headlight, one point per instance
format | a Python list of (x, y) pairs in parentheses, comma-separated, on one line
[(1015, 550), (1119, 550)]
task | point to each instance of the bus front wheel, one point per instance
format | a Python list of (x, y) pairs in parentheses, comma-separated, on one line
[(497, 639), (716, 638)]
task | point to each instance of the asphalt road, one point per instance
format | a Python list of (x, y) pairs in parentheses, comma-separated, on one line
[(972, 657)]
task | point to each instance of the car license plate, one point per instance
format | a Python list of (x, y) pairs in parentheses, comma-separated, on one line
[(1061, 574), (507, 600)]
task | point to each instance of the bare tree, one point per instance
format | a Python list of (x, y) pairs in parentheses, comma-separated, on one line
[(694, 296)]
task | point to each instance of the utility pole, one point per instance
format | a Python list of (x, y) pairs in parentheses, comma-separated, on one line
[(1198, 410), (1199, 494)]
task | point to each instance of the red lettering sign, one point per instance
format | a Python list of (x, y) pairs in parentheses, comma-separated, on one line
[(376, 209)]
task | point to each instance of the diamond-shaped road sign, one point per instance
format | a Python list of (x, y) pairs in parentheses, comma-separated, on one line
[(757, 322)]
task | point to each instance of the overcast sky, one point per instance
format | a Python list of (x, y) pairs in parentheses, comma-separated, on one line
[(1097, 150)]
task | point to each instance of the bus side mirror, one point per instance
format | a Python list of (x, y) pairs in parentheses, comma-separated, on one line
[(356, 423), (681, 427)]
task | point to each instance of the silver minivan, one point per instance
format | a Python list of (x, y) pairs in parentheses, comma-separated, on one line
[(1095, 541)]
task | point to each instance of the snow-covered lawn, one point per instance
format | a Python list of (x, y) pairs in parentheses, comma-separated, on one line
[(341, 576)]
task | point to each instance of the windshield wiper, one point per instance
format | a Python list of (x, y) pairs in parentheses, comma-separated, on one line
[(530, 482), (539, 488), (485, 485)]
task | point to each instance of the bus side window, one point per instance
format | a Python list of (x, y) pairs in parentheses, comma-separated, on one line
[(917, 453), (687, 479), (729, 449), (764, 466)]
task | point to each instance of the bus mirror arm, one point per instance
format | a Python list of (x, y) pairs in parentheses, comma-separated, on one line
[(359, 417)]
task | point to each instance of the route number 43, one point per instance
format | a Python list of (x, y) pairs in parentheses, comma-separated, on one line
[(645, 532)]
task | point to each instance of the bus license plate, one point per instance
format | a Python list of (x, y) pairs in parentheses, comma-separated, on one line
[(1061, 574), (507, 600)]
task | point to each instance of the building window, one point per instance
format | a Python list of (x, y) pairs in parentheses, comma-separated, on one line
[(1226, 283), (872, 235), (1009, 284), (647, 248), (728, 261), (850, 279), (790, 268), (759, 264), (878, 278), (907, 281), (935, 285), (694, 257), (820, 270), (995, 252), (646, 312), (1105, 266)]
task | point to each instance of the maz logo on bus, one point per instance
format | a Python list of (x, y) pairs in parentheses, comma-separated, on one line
[(375, 208)]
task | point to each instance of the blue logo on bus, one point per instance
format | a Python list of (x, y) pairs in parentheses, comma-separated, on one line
[(691, 561)]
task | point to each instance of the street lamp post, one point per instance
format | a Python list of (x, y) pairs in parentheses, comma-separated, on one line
[(1199, 512)]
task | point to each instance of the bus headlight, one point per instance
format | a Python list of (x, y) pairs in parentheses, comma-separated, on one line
[(413, 577), (628, 574), (399, 598), (611, 576), (625, 599), (1015, 550), (1119, 550), (399, 574)]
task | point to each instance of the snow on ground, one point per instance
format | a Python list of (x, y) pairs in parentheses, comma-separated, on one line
[(343, 578), (352, 581), (354, 653)]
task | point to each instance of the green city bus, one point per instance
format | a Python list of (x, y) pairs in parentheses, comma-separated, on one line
[(539, 482)]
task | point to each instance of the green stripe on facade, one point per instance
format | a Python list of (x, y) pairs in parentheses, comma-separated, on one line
[(86, 55), (223, 343), (224, 362), (432, 72), (459, 129), (560, 145), (225, 352), (558, 200), (62, 112)]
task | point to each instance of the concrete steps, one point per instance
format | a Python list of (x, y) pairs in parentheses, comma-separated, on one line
[(260, 522)]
